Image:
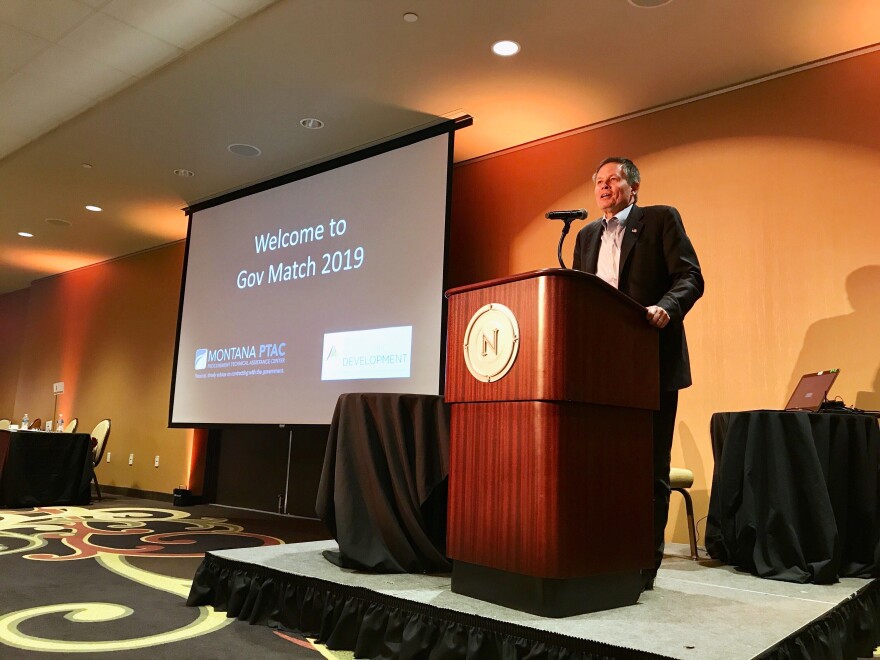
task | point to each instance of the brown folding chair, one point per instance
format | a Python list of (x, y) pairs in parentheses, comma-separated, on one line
[(680, 479), (37, 424), (99, 442)]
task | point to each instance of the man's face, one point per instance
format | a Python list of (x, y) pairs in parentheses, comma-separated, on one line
[(613, 191)]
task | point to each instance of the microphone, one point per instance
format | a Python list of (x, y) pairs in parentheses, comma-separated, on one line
[(568, 216)]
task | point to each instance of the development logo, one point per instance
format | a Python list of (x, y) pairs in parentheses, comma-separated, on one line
[(374, 353), (201, 358)]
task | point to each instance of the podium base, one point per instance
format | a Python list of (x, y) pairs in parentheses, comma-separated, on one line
[(548, 597)]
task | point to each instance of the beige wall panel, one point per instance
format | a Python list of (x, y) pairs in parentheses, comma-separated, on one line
[(108, 332), (774, 183), (13, 311)]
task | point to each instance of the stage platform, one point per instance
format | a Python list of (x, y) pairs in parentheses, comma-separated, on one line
[(696, 610)]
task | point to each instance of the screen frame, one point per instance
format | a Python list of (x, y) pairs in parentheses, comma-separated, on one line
[(446, 126)]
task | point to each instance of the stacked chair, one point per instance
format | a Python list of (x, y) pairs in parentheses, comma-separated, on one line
[(100, 434), (680, 479)]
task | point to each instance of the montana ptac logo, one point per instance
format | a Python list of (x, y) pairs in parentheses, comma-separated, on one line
[(201, 358)]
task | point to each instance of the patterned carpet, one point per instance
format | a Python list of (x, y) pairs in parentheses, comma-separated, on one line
[(111, 580)]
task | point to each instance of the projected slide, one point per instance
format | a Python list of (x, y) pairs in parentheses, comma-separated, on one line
[(326, 284)]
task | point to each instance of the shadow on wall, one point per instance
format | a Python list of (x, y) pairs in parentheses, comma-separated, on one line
[(848, 343)]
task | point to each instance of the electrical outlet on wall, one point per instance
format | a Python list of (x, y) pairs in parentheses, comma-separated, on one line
[(156, 462), (108, 456), (130, 459)]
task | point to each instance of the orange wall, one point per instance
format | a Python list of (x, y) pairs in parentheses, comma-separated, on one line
[(775, 184), (108, 332), (13, 311)]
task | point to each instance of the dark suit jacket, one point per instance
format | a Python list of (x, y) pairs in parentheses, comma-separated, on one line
[(658, 266)]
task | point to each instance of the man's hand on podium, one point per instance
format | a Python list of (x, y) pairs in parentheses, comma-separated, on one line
[(657, 316)]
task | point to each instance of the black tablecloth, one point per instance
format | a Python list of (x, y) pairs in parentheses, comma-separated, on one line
[(39, 469), (383, 487), (796, 495)]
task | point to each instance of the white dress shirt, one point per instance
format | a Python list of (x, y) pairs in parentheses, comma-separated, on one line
[(608, 267)]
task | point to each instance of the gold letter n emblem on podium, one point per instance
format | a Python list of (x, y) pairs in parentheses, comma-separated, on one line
[(491, 342)]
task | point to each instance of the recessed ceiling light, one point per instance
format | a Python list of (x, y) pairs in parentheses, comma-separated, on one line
[(648, 4), (184, 173), (92, 207), (59, 222), (87, 166), (505, 48), (311, 122), (410, 17), (25, 234), (246, 150)]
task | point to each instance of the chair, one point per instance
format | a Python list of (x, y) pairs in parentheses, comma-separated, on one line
[(4, 424), (70, 427), (99, 442), (36, 424), (680, 479)]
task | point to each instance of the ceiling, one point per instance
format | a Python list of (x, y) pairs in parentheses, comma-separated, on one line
[(135, 89)]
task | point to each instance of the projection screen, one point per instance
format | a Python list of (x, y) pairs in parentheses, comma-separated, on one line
[(320, 282)]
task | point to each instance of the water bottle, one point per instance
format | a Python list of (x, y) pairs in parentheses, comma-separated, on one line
[(25, 421), (60, 427)]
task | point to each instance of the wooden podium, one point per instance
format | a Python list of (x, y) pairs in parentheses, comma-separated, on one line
[(553, 377)]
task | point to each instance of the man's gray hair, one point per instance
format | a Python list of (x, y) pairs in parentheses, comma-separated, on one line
[(630, 171)]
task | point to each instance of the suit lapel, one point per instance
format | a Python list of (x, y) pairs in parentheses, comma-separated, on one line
[(634, 226), (591, 262)]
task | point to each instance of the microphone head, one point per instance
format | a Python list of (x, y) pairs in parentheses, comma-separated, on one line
[(577, 214)]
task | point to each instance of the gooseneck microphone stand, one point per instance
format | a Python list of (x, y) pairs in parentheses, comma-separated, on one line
[(567, 218), (566, 226)]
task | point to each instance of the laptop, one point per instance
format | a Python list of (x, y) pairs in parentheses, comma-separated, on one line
[(812, 390)]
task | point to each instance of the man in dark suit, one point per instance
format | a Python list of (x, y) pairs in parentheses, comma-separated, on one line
[(646, 254)]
